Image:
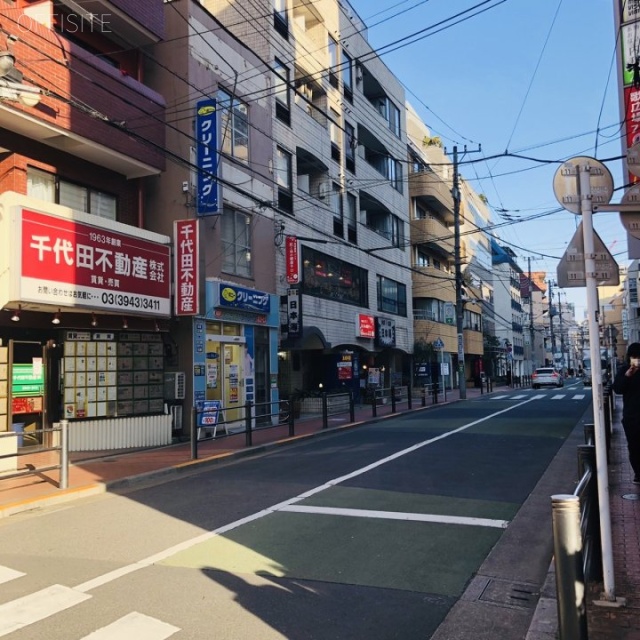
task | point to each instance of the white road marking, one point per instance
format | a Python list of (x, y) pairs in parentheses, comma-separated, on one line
[(396, 515), (499, 397), (578, 396), (519, 396), (208, 535), (558, 396), (539, 397), (7, 574), (134, 625), (37, 606)]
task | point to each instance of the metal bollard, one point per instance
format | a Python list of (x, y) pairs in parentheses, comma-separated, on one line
[(291, 419), (393, 399), (409, 398), (352, 407), (435, 393), (193, 433), (424, 395), (374, 404), (64, 454), (325, 411), (570, 585), (248, 434), (589, 433)]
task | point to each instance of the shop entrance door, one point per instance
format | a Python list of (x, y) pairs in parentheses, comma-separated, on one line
[(225, 377)]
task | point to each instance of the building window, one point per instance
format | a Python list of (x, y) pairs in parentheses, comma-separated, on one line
[(395, 174), (336, 208), (283, 180), (350, 146), (392, 296), (333, 279), (333, 62), (234, 126), (352, 218), (394, 118), (50, 188), (422, 259), (335, 134), (280, 18), (281, 92), (236, 243), (347, 76)]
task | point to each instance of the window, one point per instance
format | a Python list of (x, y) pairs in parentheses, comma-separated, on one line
[(234, 126), (336, 208), (281, 92), (48, 187), (392, 296), (280, 19), (397, 232), (333, 279), (352, 218), (422, 259), (395, 174), (394, 118), (333, 62), (347, 76), (350, 147), (283, 180), (335, 134), (236, 243)]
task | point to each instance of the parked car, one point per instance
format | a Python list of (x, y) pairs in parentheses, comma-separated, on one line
[(546, 377)]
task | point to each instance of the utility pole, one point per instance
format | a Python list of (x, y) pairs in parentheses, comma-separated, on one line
[(455, 192), (561, 332), (458, 260), (553, 337), (531, 330)]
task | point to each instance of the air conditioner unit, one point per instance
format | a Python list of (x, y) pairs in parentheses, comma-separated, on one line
[(174, 385)]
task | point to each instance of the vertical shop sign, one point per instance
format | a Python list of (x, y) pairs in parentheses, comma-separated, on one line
[(293, 260), (187, 293), (207, 158), (294, 313)]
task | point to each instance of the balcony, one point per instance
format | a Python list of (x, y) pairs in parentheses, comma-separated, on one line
[(428, 187), (473, 342), (430, 331), (429, 282), (88, 108), (434, 234)]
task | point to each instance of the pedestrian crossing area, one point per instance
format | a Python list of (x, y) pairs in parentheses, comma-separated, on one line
[(540, 396), (35, 607)]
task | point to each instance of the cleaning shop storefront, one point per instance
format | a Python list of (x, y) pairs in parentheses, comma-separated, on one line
[(235, 350), (84, 301)]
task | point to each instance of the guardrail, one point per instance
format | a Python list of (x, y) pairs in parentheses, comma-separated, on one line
[(62, 447), (576, 535)]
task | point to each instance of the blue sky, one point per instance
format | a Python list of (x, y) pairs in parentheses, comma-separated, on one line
[(536, 78)]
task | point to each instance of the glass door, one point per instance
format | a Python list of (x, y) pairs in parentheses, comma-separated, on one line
[(225, 377)]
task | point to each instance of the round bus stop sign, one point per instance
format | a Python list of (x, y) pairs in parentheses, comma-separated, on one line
[(566, 183)]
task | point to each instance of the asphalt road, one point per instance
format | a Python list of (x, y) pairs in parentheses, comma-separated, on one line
[(434, 524)]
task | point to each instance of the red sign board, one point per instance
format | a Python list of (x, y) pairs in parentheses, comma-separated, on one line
[(365, 326), (26, 405), (293, 260), (186, 267), (632, 120), (68, 263)]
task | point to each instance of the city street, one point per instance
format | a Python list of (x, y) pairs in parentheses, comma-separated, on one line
[(381, 531)]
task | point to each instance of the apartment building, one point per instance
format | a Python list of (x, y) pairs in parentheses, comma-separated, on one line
[(84, 283), (340, 201)]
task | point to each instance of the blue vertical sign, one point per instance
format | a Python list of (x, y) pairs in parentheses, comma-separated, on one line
[(207, 157)]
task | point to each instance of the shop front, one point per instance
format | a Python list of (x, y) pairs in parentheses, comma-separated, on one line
[(235, 352), (84, 301)]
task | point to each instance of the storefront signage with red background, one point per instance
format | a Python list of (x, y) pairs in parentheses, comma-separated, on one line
[(68, 263), (293, 260), (365, 326), (186, 268), (632, 119)]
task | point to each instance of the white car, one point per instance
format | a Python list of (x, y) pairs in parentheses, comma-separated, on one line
[(546, 377)]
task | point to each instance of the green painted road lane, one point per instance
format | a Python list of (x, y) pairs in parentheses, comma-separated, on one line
[(435, 559)]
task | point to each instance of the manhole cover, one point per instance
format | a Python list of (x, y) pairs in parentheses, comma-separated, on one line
[(511, 594), (631, 496)]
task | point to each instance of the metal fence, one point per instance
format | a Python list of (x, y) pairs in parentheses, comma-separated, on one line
[(58, 444)]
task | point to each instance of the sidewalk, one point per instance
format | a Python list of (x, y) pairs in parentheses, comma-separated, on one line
[(92, 473)]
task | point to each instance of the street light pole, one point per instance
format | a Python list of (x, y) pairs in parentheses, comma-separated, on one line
[(584, 173)]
